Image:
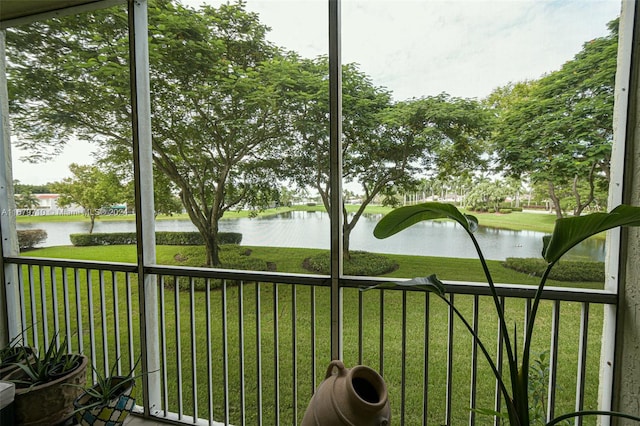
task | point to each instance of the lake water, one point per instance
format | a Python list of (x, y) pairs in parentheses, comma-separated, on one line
[(311, 229)]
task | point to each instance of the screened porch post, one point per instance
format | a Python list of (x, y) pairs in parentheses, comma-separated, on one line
[(10, 319), (145, 222), (626, 385), (619, 361), (335, 156)]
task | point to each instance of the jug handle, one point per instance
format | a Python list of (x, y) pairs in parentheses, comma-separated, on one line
[(336, 363)]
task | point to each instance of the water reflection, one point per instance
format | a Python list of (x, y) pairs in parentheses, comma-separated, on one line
[(311, 229)]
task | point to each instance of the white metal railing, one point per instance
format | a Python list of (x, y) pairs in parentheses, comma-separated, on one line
[(245, 348)]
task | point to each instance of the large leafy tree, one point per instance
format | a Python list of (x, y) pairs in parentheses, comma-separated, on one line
[(370, 156), (558, 130), (217, 88), (89, 187), (385, 144)]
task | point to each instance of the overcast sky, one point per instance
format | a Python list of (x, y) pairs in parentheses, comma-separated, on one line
[(418, 47)]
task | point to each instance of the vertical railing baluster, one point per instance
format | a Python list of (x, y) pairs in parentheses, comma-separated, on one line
[(276, 356), (225, 352), (130, 319), (582, 359), (553, 361), (241, 354), (527, 313), (116, 322), (360, 327), (403, 369), (23, 304), (103, 316), (313, 338), (176, 309), (163, 346), (474, 362), (43, 306), (77, 286), (499, 356), (54, 304), (194, 357), (67, 309), (34, 312), (381, 331), (92, 332), (207, 308), (294, 354), (258, 354), (449, 394), (425, 365)]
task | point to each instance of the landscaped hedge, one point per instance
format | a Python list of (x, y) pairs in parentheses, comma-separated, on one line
[(165, 238), (360, 263), (565, 270), (29, 238)]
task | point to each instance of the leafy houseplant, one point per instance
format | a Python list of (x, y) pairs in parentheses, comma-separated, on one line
[(12, 354), (108, 401), (566, 234), (42, 395)]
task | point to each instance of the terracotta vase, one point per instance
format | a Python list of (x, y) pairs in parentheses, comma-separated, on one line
[(356, 396)]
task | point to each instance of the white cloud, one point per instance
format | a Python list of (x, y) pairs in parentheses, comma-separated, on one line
[(424, 47), (53, 170)]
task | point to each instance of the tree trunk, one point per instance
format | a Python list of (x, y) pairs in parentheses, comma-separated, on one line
[(92, 217), (555, 200), (579, 205), (210, 243), (346, 233)]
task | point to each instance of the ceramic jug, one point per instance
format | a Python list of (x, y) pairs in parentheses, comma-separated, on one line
[(356, 396)]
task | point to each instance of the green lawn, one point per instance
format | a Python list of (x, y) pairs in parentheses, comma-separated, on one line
[(286, 310)]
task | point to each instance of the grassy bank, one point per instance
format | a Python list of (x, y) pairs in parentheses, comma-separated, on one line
[(117, 217)]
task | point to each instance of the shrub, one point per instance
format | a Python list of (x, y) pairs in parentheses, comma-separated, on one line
[(29, 238), (505, 211), (194, 238), (162, 238), (103, 239), (231, 258), (566, 270), (516, 209), (360, 263)]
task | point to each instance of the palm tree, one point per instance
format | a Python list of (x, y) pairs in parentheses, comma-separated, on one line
[(27, 200)]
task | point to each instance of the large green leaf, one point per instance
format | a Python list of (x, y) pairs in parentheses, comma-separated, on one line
[(404, 217), (431, 284), (572, 230)]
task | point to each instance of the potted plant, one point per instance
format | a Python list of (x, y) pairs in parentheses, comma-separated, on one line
[(108, 401), (42, 395), (12, 354), (567, 233)]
